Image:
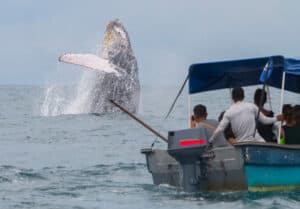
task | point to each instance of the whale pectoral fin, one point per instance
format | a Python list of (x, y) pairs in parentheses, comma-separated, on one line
[(90, 61)]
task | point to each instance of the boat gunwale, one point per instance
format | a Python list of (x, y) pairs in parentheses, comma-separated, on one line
[(268, 144)]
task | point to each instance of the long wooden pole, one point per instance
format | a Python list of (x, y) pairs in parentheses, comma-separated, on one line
[(139, 121)]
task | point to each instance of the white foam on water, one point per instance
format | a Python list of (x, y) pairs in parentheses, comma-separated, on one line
[(54, 96), (53, 100), (75, 99), (58, 95), (82, 101)]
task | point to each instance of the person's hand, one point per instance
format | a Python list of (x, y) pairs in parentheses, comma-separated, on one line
[(192, 121), (192, 118), (232, 141), (279, 117)]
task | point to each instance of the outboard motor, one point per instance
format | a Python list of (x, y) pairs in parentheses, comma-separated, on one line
[(187, 147)]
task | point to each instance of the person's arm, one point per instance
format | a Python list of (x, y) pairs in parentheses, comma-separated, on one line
[(266, 120), (192, 122), (263, 119), (221, 127)]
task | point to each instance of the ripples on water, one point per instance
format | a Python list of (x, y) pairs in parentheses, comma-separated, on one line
[(117, 186), (91, 161)]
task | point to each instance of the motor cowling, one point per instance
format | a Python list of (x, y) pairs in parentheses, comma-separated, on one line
[(187, 147)]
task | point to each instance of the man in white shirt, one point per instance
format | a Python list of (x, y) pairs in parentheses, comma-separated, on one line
[(242, 115)]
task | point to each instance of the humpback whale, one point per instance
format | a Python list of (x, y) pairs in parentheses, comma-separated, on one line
[(116, 73)]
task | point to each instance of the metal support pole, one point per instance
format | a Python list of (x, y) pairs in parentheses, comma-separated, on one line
[(281, 104)]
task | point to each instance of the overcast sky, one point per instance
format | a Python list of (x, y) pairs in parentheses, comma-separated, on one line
[(167, 36)]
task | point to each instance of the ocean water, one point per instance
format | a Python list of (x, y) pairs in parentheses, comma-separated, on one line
[(94, 161)]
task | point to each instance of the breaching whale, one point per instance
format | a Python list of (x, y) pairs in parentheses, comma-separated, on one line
[(116, 70)]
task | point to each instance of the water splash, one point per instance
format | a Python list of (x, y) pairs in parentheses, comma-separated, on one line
[(61, 99), (82, 101), (56, 93), (54, 100)]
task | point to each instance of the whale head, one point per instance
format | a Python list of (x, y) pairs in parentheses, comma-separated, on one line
[(116, 47)]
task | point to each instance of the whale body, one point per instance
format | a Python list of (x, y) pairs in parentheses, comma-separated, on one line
[(115, 74)]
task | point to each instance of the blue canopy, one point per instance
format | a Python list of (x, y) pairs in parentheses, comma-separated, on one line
[(246, 72)]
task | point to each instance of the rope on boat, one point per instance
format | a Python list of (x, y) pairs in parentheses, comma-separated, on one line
[(179, 93)]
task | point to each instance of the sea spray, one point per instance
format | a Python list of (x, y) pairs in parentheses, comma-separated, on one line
[(82, 101), (57, 93)]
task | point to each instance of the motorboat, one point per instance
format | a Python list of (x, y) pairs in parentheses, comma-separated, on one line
[(191, 164)]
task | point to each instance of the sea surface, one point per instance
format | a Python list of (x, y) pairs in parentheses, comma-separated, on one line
[(94, 161)]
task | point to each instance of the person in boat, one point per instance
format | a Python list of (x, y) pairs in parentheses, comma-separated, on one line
[(264, 130), (285, 109), (291, 130), (297, 110), (228, 134), (199, 119), (241, 115)]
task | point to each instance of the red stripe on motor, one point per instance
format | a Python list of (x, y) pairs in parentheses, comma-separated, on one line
[(187, 142)]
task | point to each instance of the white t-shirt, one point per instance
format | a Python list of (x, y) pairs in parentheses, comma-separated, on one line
[(241, 116)]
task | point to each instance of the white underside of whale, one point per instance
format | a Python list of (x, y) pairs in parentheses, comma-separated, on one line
[(90, 61)]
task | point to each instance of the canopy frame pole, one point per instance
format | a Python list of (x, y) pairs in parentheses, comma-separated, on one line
[(281, 104), (189, 108)]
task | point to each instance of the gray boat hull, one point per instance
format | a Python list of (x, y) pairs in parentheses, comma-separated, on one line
[(224, 170), (245, 166)]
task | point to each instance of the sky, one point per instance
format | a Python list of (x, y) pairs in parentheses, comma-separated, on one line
[(167, 36)]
